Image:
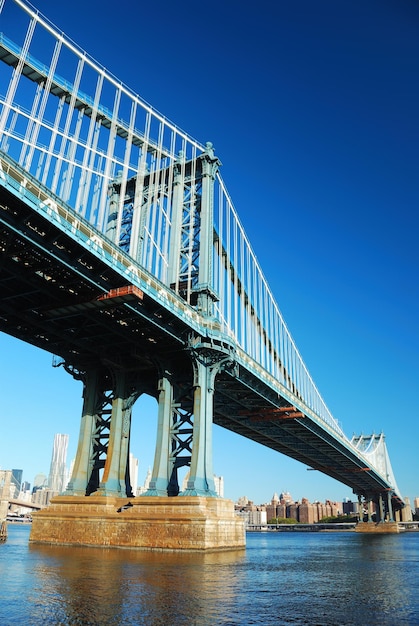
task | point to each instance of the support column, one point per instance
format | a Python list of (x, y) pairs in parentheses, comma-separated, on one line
[(104, 438), (161, 470), (113, 481), (201, 477), (381, 507), (390, 507), (369, 503), (360, 509), (208, 359), (185, 419), (83, 464)]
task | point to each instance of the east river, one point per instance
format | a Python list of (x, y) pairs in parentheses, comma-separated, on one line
[(317, 579)]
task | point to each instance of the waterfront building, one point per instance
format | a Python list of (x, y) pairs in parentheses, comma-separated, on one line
[(306, 512), (271, 508), (285, 497), (281, 510), (349, 507), (292, 511), (257, 516), (275, 509), (57, 480), (406, 513), (252, 514)]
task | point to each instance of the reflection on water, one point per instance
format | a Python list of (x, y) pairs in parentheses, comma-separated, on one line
[(323, 579), (108, 586)]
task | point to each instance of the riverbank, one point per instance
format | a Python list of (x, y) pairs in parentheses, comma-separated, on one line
[(319, 527)]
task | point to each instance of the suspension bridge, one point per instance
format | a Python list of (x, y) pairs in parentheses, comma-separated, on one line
[(123, 255)]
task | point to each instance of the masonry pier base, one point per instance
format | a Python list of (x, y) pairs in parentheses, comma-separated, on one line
[(182, 523), (377, 528)]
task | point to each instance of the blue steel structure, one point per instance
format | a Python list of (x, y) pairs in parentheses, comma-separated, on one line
[(123, 255)]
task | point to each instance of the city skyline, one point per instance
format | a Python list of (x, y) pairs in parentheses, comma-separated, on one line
[(60, 470), (284, 498), (313, 113)]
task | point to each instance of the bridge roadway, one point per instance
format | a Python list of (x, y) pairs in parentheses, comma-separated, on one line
[(68, 290), (26, 505)]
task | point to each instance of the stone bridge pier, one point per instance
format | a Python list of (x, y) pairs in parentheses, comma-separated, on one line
[(385, 518), (99, 508)]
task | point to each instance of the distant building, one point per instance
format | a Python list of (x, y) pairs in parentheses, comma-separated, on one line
[(40, 480), (16, 480), (307, 513), (406, 512), (304, 512), (250, 513), (257, 517), (219, 485), (349, 507), (285, 497), (57, 480), (133, 472), (292, 510), (42, 496), (146, 485)]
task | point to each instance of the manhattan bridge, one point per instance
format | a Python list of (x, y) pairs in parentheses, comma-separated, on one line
[(123, 255)]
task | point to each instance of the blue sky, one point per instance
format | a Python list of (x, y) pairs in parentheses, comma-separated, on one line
[(312, 108)]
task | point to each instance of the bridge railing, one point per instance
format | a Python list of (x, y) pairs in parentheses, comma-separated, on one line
[(250, 314)]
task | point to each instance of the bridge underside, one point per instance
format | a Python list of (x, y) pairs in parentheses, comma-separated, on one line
[(59, 296)]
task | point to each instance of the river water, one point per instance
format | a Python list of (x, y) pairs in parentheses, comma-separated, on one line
[(317, 579)]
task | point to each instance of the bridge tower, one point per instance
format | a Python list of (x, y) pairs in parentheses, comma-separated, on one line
[(5, 483), (195, 518)]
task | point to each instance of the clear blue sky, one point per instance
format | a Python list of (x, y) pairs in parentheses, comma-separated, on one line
[(313, 109)]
